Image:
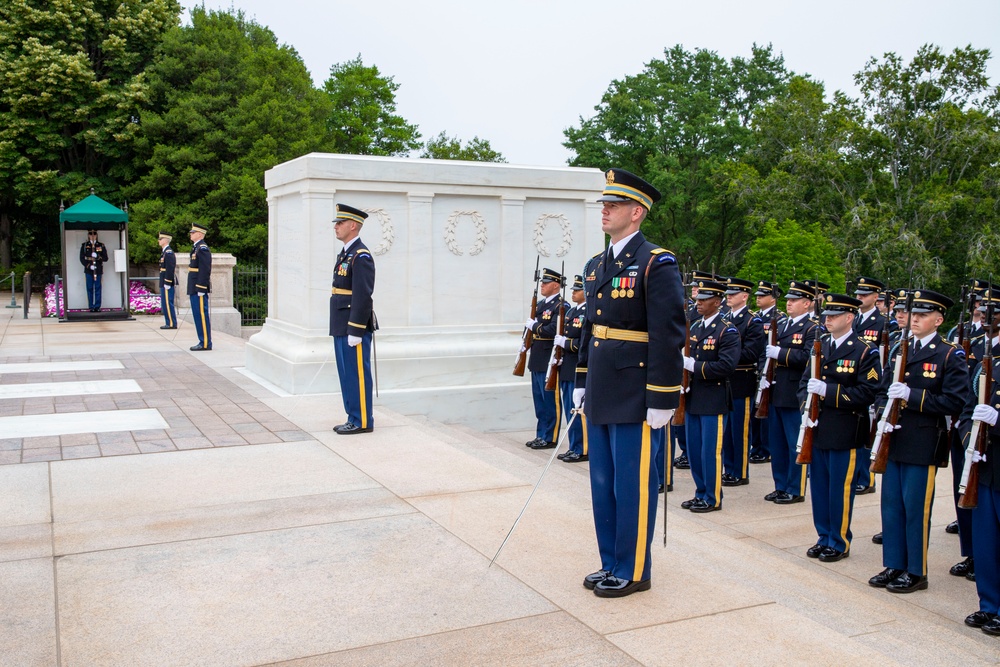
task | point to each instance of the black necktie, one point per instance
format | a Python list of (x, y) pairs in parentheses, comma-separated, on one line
[(611, 254), (916, 347)]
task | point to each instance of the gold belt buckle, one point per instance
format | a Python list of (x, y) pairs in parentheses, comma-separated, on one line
[(600, 331)]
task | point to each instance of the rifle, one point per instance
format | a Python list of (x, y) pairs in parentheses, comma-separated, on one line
[(883, 353), (527, 337), (967, 342), (960, 327), (679, 413), (890, 416), (979, 436), (552, 379), (764, 388), (807, 429)]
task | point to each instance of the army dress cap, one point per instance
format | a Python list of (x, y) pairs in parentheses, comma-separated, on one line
[(926, 301), (816, 284), (91, 231), (868, 285), (345, 212), (621, 185), (979, 286), (195, 227), (900, 296), (737, 285), (835, 304), (550, 276), (164, 235), (577, 283), (798, 289), (701, 276), (765, 288), (709, 288), (990, 297)]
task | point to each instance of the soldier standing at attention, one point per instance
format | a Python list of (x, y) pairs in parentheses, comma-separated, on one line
[(570, 342), (715, 351), (795, 338), (199, 285), (767, 301), (847, 387), (935, 386), (628, 380), (93, 254), (544, 326), (868, 325), (168, 278), (352, 320), (743, 383)]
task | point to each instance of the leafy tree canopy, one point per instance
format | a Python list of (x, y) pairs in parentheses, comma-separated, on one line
[(443, 147)]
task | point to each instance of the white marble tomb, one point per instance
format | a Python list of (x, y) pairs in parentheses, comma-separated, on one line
[(455, 246)]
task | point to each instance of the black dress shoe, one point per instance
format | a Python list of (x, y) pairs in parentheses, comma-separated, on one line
[(573, 457), (670, 487), (543, 444), (774, 495), (595, 578), (613, 587), (686, 505), (965, 567), (735, 481), (703, 507), (992, 627), (660, 490), (906, 583), (885, 577), (759, 458), (971, 576), (877, 538), (532, 442), (788, 499), (978, 619), (199, 348), (564, 454), (863, 489), (831, 555), (952, 528), (351, 429), (340, 426), (726, 477), (166, 327), (682, 462), (815, 550)]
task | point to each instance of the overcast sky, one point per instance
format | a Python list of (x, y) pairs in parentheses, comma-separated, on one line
[(519, 72)]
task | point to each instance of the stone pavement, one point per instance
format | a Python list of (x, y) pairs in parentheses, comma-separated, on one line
[(242, 531)]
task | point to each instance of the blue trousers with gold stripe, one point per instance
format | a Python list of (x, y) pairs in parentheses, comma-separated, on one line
[(736, 444), (832, 477), (704, 441), (202, 320), (964, 516), (863, 474), (623, 490), (578, 431), (783, 432), (548, 411), (355, 369), (907, 499), (758, 441), (167, 305), (986, 524), (659, 437)]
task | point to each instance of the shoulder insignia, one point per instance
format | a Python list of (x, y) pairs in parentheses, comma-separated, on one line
[(657, 251), (362, 251), (756, 318), (948, 342), (959, 351)]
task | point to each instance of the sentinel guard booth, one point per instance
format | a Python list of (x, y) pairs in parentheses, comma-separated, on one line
[(111, 224)]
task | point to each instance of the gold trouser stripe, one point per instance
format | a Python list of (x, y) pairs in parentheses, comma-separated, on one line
[(204, 322), (928, 501), (845, 519), (804, 470), (338, 290), (719, 432), (605, 333), (583, 423), (645, 456), (555, 429), (168, 301), (746, 437), (361, 385)]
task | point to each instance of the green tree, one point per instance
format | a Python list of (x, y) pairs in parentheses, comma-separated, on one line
[(362, 119), (443, 147), (71, 87), (790, 251), (226, 103)]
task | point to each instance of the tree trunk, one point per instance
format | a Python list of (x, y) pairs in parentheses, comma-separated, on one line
[(6, 236)]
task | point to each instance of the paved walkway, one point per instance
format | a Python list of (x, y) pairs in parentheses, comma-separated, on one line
[(242, 531)]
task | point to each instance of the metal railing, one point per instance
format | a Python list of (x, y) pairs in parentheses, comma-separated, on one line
[(13, 300), (250, 294)]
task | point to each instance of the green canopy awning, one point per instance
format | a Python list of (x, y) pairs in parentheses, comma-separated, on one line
[(92, 210)]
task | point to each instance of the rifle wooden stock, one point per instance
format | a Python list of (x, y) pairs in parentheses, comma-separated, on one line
[(979, 437), (552, 379), (890, 416), (527, 337), (680, 412), (807, 430), (764, 393)]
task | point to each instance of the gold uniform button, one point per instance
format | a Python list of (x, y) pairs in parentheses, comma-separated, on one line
[(599, 295), (596, 343), (641, 364), (598, 311), (907, 375)]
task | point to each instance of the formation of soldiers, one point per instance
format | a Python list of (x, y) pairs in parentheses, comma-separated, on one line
[(811, 391)]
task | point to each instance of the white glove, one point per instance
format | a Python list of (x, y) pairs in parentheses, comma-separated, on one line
[(93, 267), (530, 324), (559, 341), (817, 387), (578, 398), (764, 384), (353, 341), (889, 428), (899, 390), (772, 351), (807, 423), (202, 293), (985, 413), (93, 254), (688, 364), (658, 418)]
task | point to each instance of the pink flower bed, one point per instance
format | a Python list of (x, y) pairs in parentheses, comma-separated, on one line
[(140, 299)]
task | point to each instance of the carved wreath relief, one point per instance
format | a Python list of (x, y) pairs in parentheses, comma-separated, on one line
[(449, 232), (388, 233), (539, 234)]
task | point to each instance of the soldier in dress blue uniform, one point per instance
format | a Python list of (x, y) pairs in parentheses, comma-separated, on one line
[(678, 433), (934, 387), (199, 286), (628, 380), (544, 326), (849, 380), (576, 317), (93, 254), (886, 301), (713, 356), (168, 278), (352, 320), (795, 338), (743, 383), (868, 325), (767, 303)]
